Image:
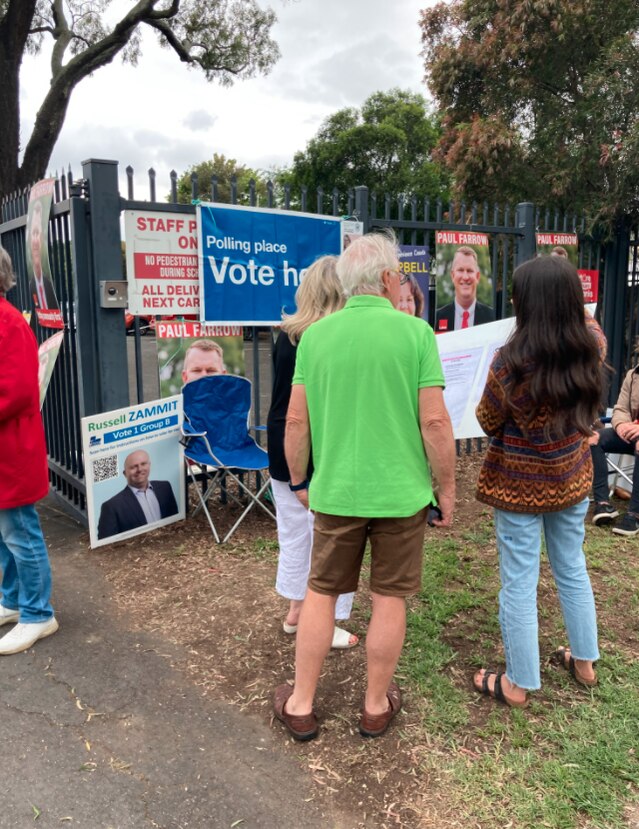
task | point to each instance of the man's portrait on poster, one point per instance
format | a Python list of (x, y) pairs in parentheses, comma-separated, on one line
[(141, 502)]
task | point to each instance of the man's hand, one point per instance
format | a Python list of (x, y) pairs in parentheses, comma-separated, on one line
[(628, 431), (446, 504)]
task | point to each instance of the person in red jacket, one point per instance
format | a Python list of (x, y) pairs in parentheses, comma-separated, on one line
[(24, 479)]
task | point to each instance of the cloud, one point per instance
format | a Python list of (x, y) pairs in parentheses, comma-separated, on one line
[(348, 76), (198, 120), (141, 149), (347, 51)]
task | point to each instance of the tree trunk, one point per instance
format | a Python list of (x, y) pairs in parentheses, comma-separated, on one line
[(50, 118), (14, 30)]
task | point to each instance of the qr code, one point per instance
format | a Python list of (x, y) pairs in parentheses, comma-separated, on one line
[(105, 468)]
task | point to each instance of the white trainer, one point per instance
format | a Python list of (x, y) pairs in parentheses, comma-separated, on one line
[(26, 634), (7, 615)]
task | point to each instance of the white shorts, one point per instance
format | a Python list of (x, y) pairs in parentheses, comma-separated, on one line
[(295, 537)]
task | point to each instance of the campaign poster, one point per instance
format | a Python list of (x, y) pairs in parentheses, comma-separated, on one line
[(45, 301), (566, 245), (161, 263), (466, 357), (251, 260), (189, 350), (464, 291), (558, 244), (414, 262), (590, 285), (351, 230), (47, 355), (134, 470)]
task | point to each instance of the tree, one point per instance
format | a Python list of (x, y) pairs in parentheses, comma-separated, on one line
[(224, 169), (539, 100), (224, 40), (386, 146)]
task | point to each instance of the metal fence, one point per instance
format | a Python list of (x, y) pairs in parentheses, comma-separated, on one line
[(85, 247), (62, 410)]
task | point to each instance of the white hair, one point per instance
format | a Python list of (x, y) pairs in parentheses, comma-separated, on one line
[(361, 265), (7, 278)]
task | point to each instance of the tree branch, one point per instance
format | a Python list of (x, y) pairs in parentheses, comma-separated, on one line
[(52, 113), (167, 13), (171, 38), (62, 36)]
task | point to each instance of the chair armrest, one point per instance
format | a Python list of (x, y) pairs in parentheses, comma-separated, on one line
[(189, 432)]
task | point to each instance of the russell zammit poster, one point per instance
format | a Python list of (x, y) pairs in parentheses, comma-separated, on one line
[(134, 469)]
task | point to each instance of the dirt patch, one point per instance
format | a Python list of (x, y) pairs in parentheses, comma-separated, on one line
[(219, 604)]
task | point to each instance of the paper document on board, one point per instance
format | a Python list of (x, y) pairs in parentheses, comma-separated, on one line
[(466, 356)]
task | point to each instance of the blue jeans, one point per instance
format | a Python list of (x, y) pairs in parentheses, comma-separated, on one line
[(610, 442), (24, 561), (519, 546)]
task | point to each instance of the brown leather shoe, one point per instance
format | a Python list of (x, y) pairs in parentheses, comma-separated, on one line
[(302, 728), (563, 657), (374, 725)]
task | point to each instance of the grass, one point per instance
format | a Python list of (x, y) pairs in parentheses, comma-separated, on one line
[(570, 760)]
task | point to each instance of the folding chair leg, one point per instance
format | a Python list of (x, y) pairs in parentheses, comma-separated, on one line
[(202, 504), (254, 499), (616, 471)]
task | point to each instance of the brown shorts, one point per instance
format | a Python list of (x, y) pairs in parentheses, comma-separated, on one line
[(396, 553)]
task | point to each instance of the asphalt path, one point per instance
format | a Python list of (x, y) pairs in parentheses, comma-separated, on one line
[(99, 731)]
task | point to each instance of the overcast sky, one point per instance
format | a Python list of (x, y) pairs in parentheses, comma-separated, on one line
[(160, 114)]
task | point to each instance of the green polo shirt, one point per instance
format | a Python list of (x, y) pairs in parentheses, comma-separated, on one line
[(362, 369)]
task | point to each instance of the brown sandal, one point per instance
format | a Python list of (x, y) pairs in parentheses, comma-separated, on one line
[(302, 728), (562, 657), (374, 725), (496, 692)]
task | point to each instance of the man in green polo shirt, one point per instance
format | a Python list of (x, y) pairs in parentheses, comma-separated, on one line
[(368, 386)]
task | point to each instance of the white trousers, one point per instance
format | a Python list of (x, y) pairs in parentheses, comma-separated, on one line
[(295, 536)]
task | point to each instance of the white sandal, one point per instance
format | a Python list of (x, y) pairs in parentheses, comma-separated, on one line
[(341, 637)]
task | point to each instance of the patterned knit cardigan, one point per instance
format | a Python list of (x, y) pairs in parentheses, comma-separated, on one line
[(525, 471)]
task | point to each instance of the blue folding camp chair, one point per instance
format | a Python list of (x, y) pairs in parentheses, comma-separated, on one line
[(216, 438)]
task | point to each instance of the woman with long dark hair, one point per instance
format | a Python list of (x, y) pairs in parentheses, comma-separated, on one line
[(541, 398)]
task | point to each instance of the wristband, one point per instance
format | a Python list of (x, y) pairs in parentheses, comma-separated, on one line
[(298, 487)]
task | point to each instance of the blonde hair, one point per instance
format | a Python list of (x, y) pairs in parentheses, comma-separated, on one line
[(319, 294)]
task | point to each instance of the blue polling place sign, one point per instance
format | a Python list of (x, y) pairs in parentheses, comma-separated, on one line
[(251, 260)]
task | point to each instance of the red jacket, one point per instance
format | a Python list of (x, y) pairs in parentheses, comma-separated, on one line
[(24, 477)]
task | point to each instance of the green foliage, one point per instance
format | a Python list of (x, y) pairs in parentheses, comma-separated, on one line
[(224, 40), (386, 146), (539, 100), (224, 169)]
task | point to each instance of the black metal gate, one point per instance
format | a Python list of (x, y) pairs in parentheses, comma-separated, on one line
[(85, 247)]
